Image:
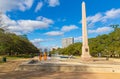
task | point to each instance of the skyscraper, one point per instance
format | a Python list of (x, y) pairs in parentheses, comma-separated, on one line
[(67, 41)]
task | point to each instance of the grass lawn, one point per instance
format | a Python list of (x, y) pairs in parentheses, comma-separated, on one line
[(10, 58), (1, 60), (13, 58)]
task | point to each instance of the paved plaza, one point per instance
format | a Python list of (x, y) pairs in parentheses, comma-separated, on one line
[(7, 71), (60, 75)]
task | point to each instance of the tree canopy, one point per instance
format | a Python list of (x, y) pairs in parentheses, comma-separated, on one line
[(107, 44), (12, 44)]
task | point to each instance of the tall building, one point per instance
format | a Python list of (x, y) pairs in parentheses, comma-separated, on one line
[(54, 48), (67, 41)]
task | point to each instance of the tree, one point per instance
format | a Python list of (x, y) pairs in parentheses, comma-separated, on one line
[(107, 44), (115, 26), (12, 44)]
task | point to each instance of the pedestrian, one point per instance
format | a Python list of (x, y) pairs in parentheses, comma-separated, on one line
[(45, 56), (40, 57)]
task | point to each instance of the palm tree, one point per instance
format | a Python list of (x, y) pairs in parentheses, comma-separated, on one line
[(115, 26)]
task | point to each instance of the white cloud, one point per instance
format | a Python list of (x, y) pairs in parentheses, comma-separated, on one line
[(53, 3), (111, 14), (69, 28), (78, 38), (101, 30), (46, 20), (93, 19), (54, 33), (30, 25), (25, 26), (103, 17), (62, 31), (39, 6), (37, 42), (8, 5)]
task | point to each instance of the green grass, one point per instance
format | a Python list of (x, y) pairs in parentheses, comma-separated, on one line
[(12, 58), (9, 58), (1, 60)]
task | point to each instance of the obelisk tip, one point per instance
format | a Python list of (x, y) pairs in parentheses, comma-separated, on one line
[(83, 2)]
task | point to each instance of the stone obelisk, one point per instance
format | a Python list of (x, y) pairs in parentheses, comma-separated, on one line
[(85, 48)]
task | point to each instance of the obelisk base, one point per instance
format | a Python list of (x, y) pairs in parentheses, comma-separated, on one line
[(86, 59), (85, 54)]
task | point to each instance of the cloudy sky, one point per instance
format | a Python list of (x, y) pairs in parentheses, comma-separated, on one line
[(46, 22)]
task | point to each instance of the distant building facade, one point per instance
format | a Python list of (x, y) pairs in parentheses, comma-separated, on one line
[(54, 48), (67, 41)]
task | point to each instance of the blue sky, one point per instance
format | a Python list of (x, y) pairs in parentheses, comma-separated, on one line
[(46, 22)]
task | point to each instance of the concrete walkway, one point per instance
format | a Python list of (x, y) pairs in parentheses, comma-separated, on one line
[(7, 72)]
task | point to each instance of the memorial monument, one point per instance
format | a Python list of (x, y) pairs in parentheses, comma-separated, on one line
[(61, 64), (85, 48)]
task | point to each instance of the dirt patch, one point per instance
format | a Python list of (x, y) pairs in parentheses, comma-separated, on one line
[(11, 65)]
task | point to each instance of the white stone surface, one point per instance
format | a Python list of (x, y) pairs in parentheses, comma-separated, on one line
[(85, 48)]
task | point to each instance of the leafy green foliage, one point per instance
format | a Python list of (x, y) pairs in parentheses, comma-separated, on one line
[(73, 49), (104, 44), (11, 44)]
